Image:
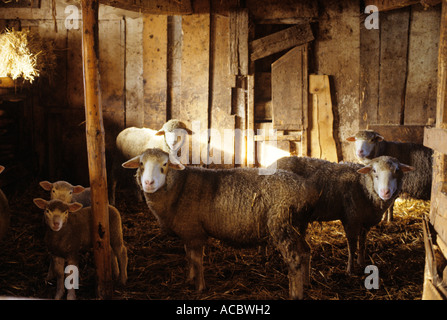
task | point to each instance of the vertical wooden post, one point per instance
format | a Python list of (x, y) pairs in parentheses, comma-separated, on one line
[(96, 148)]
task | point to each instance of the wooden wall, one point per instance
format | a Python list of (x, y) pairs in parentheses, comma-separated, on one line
[(157, 67)]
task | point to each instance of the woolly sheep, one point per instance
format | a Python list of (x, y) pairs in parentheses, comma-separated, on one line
[(355, 194), (132, 142), (69, 232), (237, 206), (4, 212), (66, 192), (416, 184)]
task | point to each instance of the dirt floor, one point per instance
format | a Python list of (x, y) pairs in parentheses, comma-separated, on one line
[(157, 266)]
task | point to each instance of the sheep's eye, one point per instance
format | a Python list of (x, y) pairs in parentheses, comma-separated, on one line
[(162, 171), (141, 164), (71, 192), (165, 164), (54, 191)]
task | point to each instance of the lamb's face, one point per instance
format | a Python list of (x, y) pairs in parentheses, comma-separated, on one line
[(152, 168), (365, 142), (61, 190), (56, 212), (387, 173)]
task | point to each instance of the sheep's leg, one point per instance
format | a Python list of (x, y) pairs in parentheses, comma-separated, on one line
[(59, 269), (390, 213), (51, 273), (190, 277), (362, 247), (121, 255), (194, 254), (296, 254), (352, 236), (115, 268)]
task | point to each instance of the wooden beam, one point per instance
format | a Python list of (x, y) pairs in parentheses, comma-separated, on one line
[(281, 40), (96, 148), (441, 103), (169, 7), (408, 133), (435, 138), (239, 42), (385, 5)]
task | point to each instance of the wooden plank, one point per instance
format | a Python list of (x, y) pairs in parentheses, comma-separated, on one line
[(239, 42), (287, 91), (282, 9), (134, 73), (96, 149), (441, 101), (420, 95), (75, 86), (155, 51), (111, 67), (393, 65), (436, 139), (321, 133), (413, 133), (385, 5), (284, 137), (281, 40), (369, 76), (171, 7)]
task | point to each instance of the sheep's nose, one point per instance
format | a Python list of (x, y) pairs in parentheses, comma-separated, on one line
[(360, 153), (385, 192), (56, 224), (149, 182)]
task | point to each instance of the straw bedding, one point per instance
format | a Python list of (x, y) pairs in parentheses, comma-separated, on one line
[(157, 266)]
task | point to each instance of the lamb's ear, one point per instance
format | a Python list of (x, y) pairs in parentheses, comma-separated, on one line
[(364, 169), (379, 138), (78, 189), (75, 206), (40, 203), (160, 132), (352, 139), (405, 167), (133, 163), (46, 185), (2, 168), (174, 163), (189, 131)]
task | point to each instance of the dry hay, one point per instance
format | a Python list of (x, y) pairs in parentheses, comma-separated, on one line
[(157, 266), (25, 55)]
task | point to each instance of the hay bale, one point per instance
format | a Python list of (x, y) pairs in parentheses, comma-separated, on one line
[(25, 55)]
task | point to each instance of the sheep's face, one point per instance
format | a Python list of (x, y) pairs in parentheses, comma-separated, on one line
[(56, 211), (387, 174), (175, 139), (365, 143), (61, 190), (152, 168)]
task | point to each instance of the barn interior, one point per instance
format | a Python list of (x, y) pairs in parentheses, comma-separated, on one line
[(295, 77)]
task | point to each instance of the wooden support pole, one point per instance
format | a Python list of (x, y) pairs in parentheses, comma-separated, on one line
[(96, 148)]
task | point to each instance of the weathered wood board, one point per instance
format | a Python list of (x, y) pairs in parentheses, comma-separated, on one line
[(287, 90), (321, 132), (281, 40)]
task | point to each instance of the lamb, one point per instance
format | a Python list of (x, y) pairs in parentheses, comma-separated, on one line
[(355, 194), (69, 232), (66, 192), (237, 206), (132, 142), (4, 212), (417, 184)]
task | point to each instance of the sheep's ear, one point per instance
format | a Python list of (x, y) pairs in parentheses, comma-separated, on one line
[(174, 163), (75, 206), (190, 132), (160, 133), (40, 203), (405, 167), (379, 138), (78, 189), (352, 139), (46, 185), (2, 168), (133, 163), (364, 170)]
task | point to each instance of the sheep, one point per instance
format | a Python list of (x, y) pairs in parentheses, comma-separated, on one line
[(132, 141), (355, 194), (4, 212), (69, 232), (417, 184), (237, 206), (66, 192)]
